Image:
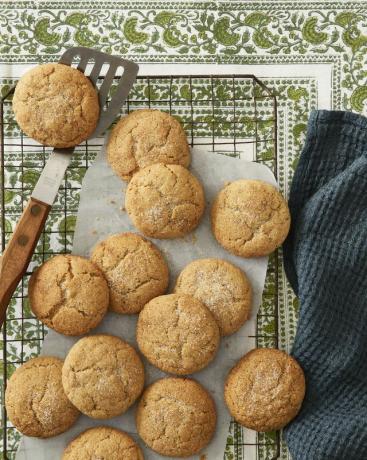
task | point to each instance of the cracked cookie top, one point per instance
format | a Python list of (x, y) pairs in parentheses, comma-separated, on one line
[(103, 442), (69, 294), (265, 389), (177, 334), (250, 218), (221, 287), (102, 376), (56, 105), (165, 201), (176, 417), (134, 268), (35, 401), (146, 137)]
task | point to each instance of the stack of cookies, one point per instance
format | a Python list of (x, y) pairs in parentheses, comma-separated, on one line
[(180, 332)]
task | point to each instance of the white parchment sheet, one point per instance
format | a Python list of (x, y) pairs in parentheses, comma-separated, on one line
[(101, 214)]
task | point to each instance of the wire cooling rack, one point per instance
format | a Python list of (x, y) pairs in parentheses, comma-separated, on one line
[(230, 114)]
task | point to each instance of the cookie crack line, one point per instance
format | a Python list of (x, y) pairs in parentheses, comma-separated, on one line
[(35, 415), (121, 259), (177, 200), (58, 306), (63, 292), (258, 224), (179, 442), (37, 365), (258, 228), (43, 393), (189, 184), (135, 288), (164, 143)]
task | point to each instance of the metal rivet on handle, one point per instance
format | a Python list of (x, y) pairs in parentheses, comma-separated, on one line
[(23, 240), (35, 210)]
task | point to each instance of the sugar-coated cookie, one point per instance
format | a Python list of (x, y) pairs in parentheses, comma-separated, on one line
[(145, 137), (103, 442), (177, 334), (69, 294), (265, 389), (250, 218), (134, 268), (35, 400), (176, 417), (102, 376), (56, 105), (220, 286), (164, 201)]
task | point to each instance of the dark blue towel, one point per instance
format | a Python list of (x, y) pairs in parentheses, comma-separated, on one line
[(326, 263)]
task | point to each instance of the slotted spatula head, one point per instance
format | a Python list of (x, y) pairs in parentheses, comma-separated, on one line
[(130, 70)]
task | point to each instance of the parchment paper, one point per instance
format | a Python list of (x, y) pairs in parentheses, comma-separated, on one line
[(100, 215)]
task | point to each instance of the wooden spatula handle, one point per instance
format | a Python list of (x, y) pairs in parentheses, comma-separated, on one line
[(18, 253)]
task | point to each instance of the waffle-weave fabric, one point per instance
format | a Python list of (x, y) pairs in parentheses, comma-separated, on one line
[(326, 263)]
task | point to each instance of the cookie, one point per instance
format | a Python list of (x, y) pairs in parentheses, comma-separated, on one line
[(176, 417), (265, 389), (134, 268), (177, 334), (146, 137), (69, 294), (164, 201), (103, 442), (221, 287), (35, 401), (102, 376), (250, 218), (56, 105)]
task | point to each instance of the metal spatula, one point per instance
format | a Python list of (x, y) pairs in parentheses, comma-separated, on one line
[(20, 248)]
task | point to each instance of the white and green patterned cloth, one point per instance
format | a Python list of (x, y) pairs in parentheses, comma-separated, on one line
[(312, 54)]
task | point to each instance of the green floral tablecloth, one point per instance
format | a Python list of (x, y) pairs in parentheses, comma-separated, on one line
[(311, 53)]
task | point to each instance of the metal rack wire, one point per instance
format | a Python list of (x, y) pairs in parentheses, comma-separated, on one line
[(230, 114)]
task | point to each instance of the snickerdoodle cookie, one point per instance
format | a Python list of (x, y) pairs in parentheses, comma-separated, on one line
[(265, 389), (177, 334), (103, 442), (164, 201), (176, 417), (56, 105), (250, 218), (134, 268), (146, 137), (69, 294), (220, 286), (102, 376), (35, 401)]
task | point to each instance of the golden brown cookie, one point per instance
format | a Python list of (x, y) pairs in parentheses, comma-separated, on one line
[(146, 137), (176, 417), (177, 334), (250, 218), (220, 286), (69, 294), (102, 376), (164, 201), (265, 389), (35, 401), (103, 442), (134, 268), (56, 105)]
